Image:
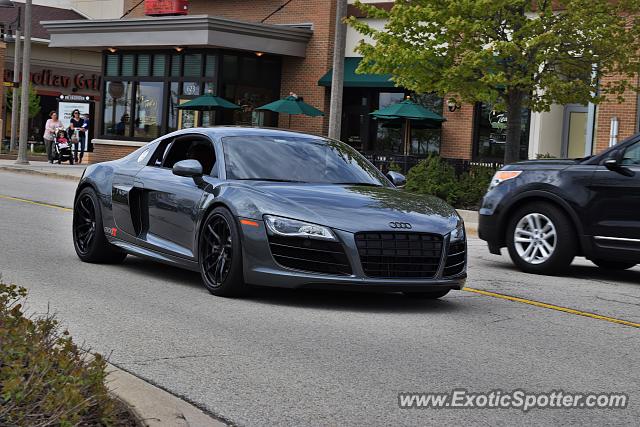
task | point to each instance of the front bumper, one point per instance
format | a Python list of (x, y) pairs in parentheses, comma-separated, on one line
[(261, 269)]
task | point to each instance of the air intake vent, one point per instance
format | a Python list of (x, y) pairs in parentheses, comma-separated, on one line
[(456, 259), (399, 255), (316, 256)]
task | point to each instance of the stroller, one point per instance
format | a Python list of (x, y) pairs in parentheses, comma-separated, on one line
[(62, 150)]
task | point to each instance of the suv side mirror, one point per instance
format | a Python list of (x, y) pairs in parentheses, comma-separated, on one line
[(188, 168), (396, 178), (614, 164)]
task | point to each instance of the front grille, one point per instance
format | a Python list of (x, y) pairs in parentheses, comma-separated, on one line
[(316, 256), (456, 259), (399, 255)]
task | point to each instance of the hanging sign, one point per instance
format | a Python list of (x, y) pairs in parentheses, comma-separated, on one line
[(166, 7)]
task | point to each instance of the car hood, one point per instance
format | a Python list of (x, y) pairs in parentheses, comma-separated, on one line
[(355, 208)]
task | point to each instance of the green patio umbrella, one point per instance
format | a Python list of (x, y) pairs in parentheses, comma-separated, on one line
[(408, 111), (290, 105), (208, 102)]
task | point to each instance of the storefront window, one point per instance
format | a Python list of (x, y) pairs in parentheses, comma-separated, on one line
[(156, 83), (117, 108), (172, 120), (491, 133), (148, 110)]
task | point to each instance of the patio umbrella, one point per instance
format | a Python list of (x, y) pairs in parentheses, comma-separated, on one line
[(208, 102), (292, 104), (408, 111)]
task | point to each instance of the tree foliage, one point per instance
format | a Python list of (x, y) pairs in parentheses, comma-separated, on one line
[(509, 53), (34, 101)]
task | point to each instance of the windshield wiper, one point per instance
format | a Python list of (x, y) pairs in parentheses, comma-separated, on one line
[(364, 184), (270, 180)]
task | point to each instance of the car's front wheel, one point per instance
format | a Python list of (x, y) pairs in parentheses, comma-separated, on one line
[(89, 240), (540, 239), (613, 265), (220, 255)]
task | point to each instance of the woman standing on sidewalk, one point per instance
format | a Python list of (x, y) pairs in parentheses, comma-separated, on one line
[(50, 129), (77, 127)]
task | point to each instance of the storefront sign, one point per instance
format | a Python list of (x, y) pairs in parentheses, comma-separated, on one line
[(66, 108), (53, 79), (166, 7)]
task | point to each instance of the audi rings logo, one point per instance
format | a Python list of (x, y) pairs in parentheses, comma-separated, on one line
[(400, 225)]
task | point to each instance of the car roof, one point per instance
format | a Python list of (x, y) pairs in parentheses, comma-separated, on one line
[(222, 131)]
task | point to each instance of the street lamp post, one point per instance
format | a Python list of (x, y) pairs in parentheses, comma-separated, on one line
[(24, 88)]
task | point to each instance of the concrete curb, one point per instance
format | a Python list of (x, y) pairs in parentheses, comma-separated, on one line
[(18, 169), (154, 406)]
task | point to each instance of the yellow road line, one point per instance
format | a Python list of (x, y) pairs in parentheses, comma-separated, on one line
[(473, 290), (48, 205), (553, 307)]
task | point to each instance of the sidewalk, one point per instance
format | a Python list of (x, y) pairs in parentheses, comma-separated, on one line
[(64, 171)]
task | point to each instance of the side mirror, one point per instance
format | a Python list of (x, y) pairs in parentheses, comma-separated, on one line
[(396, 178), (615, 165), (188, 168)]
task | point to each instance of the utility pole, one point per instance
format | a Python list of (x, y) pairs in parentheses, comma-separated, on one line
[(24, 94), (337, 78), (16, 83)]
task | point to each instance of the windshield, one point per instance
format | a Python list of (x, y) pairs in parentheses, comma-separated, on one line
[(297, 159)]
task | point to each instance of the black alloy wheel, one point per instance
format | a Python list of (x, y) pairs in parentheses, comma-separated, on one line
[(84, 223), (220, 255), (89, 240)]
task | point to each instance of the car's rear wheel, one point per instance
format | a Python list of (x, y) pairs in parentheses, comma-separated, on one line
[(220, 255), (540, 239), (89, 240), (427, 294), (613, 265)]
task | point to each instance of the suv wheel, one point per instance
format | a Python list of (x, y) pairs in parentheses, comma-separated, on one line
[(540, 239), (613, 265)]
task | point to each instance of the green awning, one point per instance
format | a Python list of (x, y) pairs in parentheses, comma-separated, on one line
[(351, 79)]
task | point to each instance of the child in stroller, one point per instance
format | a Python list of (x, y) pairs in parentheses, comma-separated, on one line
[(62, 147)]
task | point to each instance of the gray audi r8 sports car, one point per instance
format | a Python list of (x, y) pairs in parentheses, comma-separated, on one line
[(268, 207)]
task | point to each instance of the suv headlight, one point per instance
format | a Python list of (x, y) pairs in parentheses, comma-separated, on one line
[(293, 228), (502, 176), (458, 234)]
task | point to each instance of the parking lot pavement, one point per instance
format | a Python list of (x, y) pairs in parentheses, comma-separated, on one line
[(286, 357)]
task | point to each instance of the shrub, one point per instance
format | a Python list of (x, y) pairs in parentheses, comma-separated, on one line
[(436, 177), (45, 379)]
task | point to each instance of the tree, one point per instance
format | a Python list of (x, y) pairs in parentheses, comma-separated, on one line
[(513, 54), (34, 102)]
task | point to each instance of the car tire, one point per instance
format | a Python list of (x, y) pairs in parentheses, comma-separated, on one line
[(427, 295), (89, 241), (613, 265), (220, 255), (551, 239)]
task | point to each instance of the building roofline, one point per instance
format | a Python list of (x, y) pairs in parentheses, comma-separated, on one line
[(191, 30)]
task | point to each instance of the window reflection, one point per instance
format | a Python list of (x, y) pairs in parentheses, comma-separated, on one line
[(117, 110), (148, 110)]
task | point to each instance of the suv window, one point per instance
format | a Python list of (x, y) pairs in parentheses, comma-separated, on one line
[(632, 155)]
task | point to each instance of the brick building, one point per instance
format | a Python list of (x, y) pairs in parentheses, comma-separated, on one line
[(254, 52)]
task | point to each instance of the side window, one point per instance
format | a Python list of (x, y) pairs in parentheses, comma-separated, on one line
[(190, 147), (160, 153), (632, 155)]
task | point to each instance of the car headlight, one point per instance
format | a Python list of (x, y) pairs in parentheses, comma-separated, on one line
[(458, 234), (293, 228), (502, 176)]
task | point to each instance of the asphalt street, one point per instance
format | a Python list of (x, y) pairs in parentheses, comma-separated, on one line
[(286, 357)]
